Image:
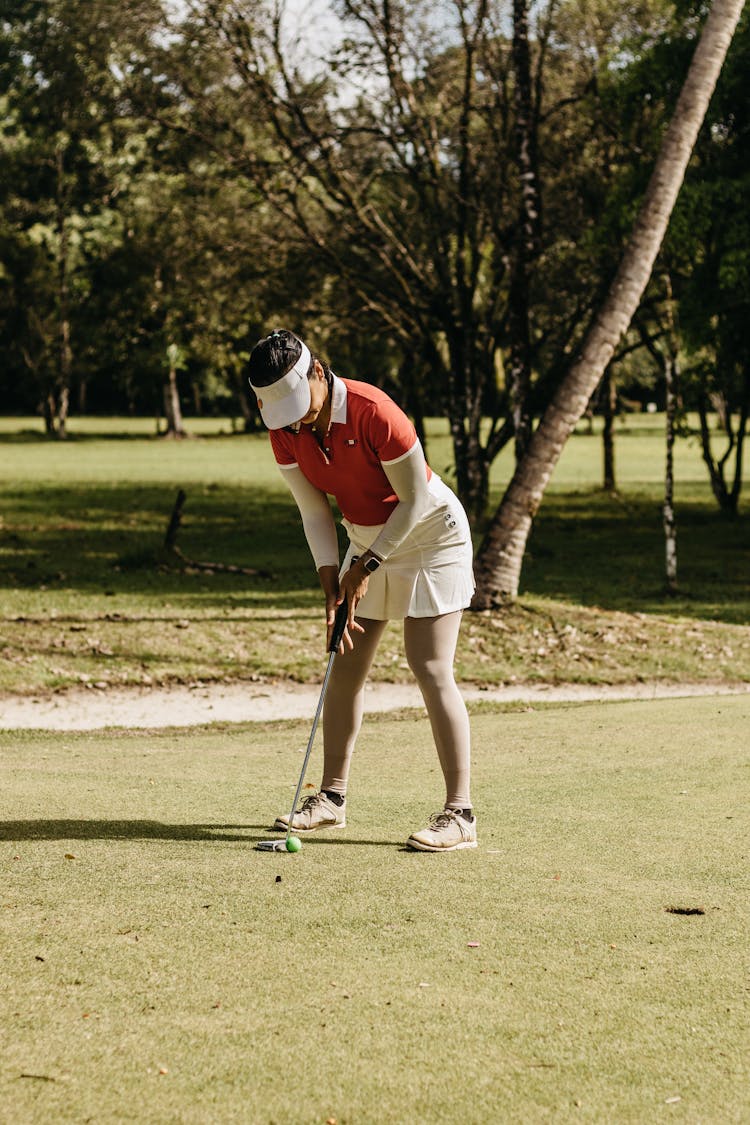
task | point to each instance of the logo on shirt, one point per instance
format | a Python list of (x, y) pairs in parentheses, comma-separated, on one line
[(351, 441)]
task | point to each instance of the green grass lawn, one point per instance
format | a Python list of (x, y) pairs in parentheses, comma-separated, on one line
[(88, 596), (156, 968)]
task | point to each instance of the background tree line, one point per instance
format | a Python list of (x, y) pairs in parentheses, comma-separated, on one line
[(438, 193)]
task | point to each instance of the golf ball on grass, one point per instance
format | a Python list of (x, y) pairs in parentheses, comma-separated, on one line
[(293, 844)]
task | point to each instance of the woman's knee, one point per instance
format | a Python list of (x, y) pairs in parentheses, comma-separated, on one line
[(432, 672)]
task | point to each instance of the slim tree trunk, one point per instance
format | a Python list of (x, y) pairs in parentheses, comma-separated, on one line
[(172, 409), (65, 354), (667, 359), (670, 367), (670, 527), (519, 365), (609, 398), (741, 431), (498, 566), (249, 416), (727, 497), (49, 410)]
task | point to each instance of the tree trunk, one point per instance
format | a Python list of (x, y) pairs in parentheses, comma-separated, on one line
[(413, 396), (741, 431), (243, 401), (49, 410), (172, 409), (63, 405), (498, 566), (609, 399), (519, 364), (670, 527), (65, 355), (465, 384), (727, 498)]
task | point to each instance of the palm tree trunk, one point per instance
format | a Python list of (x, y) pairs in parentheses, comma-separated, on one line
[(498, 566)]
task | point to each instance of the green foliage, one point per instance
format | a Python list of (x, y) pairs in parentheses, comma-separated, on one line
[(169, 181)]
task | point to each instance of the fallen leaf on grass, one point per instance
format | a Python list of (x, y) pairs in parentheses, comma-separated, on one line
[(473, 944), (673, 1101), (69, 855)]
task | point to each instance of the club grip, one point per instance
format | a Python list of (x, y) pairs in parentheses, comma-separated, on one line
[(338, 626)]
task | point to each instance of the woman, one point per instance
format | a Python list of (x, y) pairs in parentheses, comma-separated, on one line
[(409, 557)]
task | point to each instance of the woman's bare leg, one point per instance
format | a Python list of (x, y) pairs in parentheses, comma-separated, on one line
[(430, 644), (344, 704)]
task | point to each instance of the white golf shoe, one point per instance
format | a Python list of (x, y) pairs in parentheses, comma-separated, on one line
[(315, 812), (447, 831)]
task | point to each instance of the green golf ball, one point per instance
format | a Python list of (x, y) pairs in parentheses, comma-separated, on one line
[(293, 844)]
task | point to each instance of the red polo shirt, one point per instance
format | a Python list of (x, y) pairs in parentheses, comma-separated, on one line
[(367, 430)]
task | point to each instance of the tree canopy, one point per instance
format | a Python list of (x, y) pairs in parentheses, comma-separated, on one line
[(438, 194)]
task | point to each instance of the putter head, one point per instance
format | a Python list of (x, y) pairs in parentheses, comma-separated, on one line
[(271, 846)]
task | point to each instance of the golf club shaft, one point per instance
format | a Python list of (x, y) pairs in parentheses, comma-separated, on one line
[(336, 634)]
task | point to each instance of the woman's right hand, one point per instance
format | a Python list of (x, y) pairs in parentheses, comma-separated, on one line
[(347, 640), (329, 580)]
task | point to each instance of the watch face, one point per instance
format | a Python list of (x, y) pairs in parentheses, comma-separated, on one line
[(372, 564)]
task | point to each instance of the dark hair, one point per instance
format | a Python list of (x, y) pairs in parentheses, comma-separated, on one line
[(273, 356)]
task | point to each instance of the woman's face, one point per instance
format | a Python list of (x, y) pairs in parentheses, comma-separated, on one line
[(318, 395)]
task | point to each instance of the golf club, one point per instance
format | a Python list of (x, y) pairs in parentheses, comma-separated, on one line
[(336, 634)]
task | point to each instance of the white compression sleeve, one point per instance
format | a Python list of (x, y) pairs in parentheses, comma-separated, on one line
[(408, 477), (317, 517)]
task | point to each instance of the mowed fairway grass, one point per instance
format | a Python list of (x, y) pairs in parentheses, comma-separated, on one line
[(88, 596), (589, 962)]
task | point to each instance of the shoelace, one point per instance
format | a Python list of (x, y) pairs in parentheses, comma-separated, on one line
[(309, 802), (443, 819)]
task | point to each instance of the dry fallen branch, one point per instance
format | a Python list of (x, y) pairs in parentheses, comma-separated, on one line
[(170, 546)]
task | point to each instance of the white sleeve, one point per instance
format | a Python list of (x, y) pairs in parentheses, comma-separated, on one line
[(408, 476), (317, 517)]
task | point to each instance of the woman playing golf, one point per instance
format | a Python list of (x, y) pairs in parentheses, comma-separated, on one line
[(409, 557)]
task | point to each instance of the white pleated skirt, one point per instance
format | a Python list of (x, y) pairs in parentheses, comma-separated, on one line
[(431, 573)]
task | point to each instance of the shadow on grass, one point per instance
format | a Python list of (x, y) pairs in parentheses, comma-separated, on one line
[(108, 538), (16, 831), (621, 542), (38, 437), (587, 547), (75, 437)]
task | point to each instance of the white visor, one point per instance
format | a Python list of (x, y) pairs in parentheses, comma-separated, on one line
[(288, 399)]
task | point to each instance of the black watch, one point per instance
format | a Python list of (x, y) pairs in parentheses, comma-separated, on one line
[(371, 564)]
